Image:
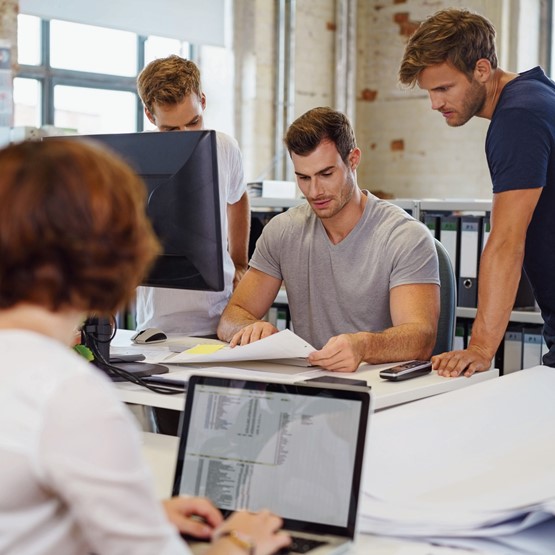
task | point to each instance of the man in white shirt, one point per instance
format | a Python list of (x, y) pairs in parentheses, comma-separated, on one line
[(171, 92)]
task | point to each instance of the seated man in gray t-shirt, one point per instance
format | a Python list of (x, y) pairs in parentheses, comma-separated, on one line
[(361, 275)]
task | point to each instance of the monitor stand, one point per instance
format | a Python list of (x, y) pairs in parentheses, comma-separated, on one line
[(96, 335)]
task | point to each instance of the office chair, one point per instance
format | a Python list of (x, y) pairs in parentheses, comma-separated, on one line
[(448, 294)]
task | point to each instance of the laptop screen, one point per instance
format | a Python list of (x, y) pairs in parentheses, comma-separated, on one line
[(294, 449)]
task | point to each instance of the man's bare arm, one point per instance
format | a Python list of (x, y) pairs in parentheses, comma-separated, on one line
[(500, 271), (241, 321), (238, 228), (414, 314)]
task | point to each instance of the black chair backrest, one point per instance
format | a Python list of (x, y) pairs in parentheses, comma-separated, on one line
[(448, 295)]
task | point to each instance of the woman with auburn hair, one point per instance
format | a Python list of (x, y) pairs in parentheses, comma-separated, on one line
[(74, 239)]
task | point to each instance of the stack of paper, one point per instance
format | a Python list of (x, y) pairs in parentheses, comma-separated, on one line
[(537, 540), (479, 461), (247, 371), (284, 345)]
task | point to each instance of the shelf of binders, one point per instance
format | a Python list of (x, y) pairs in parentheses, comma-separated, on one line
[(463, 226)]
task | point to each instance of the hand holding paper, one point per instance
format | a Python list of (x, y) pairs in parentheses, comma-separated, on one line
[(253, 332)]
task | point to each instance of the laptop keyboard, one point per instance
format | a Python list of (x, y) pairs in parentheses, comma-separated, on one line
[(300, 545), (297, 545)]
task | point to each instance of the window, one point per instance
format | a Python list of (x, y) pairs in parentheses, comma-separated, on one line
[(92, 49), (27, 105), (77, 110), (81, 78)]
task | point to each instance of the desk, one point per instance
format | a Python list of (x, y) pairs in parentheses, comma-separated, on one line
[(160, 452), (385, 393)]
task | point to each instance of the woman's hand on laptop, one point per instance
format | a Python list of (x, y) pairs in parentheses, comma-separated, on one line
[(254, 533), (194, 516)]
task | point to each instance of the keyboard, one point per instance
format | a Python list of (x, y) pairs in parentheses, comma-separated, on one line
[(300, 545)]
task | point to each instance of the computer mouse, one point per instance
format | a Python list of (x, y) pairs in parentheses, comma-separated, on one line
[(150, 335)]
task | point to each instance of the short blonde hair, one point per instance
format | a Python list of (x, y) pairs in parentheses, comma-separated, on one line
[(73, 227), (168, 81)]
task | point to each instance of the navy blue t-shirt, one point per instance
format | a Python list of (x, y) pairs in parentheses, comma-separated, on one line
[(520, 148)]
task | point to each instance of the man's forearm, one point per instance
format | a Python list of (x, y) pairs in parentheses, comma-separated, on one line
[(233, 319), (498, 280), (402, 342)]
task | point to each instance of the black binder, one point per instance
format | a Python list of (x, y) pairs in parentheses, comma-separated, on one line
[(469, 256)]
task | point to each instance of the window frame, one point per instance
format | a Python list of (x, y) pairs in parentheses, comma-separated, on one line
[(49, 77)]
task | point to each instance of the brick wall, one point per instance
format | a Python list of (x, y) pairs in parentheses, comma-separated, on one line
[(408, 150)]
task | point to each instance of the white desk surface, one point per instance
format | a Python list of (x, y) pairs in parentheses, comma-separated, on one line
[(385, 393), (160, 452)]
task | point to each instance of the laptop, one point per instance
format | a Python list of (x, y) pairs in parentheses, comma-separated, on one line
[(296, 449)]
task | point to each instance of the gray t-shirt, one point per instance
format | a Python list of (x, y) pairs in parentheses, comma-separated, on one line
[(344, 288)]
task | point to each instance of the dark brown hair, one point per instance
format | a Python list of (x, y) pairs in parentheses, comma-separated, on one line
[(73, 229), (457, 36), (317, 125), (168, 81)]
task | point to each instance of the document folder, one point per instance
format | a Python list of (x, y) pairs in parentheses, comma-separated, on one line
[(449, 237), (531, 346), (470, 249), (512, 349)]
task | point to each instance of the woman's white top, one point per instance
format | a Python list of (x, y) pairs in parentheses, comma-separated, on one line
[(72, 477)]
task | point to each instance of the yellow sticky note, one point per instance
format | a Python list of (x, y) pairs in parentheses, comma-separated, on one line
[(206, 349)]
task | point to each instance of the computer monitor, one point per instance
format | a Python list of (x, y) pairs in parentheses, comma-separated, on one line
[(180, 170)]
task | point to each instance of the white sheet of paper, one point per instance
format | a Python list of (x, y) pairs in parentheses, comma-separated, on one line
[(281, 345), (465, 460)]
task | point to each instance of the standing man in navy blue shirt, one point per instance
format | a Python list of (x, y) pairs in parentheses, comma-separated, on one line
[(452, 56)]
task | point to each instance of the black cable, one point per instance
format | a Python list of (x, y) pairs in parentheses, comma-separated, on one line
[(92, 341)]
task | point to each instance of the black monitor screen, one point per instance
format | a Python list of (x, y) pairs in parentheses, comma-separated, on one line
[(180, 170)]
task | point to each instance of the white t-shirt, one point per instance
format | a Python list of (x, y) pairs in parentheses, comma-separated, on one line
[(198, 312), (72, 477)]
